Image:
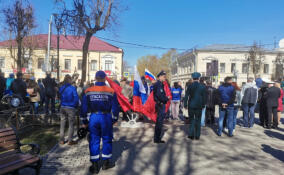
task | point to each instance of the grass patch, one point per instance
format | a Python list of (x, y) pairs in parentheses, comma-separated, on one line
[(46, 138)]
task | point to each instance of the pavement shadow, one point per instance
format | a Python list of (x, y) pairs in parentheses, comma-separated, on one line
[(282, 120), (160, 158), (278, 154), (118, 148), (214, 127), (274, 134)]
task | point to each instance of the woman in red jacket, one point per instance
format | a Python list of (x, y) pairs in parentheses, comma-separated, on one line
[(280, 102)]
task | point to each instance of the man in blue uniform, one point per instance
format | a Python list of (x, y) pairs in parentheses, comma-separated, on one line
[(161, 100), (100, 100)]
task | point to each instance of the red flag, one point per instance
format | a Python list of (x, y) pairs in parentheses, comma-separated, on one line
[(149, 107), (123, 101), (168, 94)]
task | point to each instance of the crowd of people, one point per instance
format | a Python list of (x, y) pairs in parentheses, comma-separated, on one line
[(261, 96), (99, 107)]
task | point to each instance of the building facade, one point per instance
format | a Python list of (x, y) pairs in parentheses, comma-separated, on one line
[(101, 56), (232, 60)]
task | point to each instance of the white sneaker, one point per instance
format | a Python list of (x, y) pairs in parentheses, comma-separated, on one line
[(226, 130), (234, 132)]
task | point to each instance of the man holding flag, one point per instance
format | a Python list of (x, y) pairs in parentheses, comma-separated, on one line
[(161, 100)]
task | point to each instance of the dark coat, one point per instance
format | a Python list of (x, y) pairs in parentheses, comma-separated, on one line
[(159, 93), (19, 87), (273, 93), (226, 95), (50, 86), (211, 97), (262, 94), (195, 96), (2, 85)]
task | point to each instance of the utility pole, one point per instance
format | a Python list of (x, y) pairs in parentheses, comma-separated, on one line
[(49, 40), (58, 24), (58, 67), (47, 63)]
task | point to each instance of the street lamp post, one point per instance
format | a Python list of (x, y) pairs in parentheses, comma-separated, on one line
[(59, 25)]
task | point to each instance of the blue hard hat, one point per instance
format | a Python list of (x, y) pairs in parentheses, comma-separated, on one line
[(11, 75), (195, 75), (100, 74)]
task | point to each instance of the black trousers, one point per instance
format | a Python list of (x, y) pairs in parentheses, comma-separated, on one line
[(210, 115), (47, 100), (159, 123), (272, 110), (263, 115)]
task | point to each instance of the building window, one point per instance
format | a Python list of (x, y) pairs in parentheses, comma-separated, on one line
[(40, 63), (2, 62), (266, 69), (79, 64), (55, 65), (108, 65), (233, 67), (208, 69), (67, 64), (245, 68), (222, 68), (93, 65)]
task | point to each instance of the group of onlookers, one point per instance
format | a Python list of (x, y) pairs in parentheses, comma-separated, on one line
[(261, 95)]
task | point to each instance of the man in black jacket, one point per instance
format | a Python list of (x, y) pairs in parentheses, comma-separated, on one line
[(210, 103), (19, 87), (263, 115), (161, 100), (273, 93), (50, 92), (2, 85)]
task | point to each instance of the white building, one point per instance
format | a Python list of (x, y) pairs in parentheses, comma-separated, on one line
[(101, 56), (232, 61)]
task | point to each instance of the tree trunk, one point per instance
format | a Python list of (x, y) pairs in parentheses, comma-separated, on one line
[(85, 54), (19, 56)]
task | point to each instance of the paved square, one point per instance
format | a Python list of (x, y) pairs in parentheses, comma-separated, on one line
[(254, 151)]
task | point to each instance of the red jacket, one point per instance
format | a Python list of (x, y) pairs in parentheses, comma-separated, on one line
[(280, 101)]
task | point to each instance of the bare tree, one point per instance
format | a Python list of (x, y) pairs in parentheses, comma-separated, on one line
[(255, 60), (87, 17), (155, 64), (28, 46), (279, 61), (19, 20)]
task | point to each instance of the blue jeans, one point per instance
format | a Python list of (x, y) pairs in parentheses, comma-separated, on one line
[(203, 117), (248, 110), (222, 112), (34, 108), (235, 115)]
